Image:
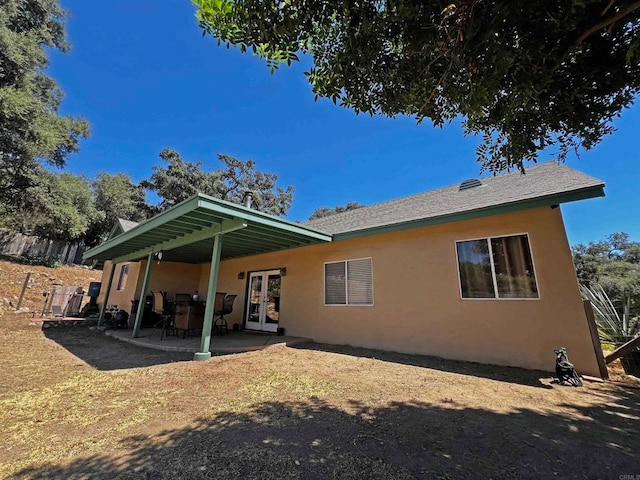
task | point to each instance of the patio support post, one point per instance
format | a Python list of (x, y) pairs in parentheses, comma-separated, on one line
[(204, 353), (143, 296), (106, 295)]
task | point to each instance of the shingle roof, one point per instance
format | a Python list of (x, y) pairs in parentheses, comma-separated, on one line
[(548, 180)]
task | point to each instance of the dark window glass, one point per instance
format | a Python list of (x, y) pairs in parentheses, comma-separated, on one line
[(513, 267), (475, 269)]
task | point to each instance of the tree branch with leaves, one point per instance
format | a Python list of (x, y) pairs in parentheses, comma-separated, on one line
[(524, 76)]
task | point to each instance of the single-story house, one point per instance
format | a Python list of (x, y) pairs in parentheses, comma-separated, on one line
[(480, 271)]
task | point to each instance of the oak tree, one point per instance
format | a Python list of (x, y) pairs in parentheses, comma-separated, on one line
[(181, 179)]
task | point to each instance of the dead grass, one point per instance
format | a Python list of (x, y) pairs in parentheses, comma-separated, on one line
[(318, 412)]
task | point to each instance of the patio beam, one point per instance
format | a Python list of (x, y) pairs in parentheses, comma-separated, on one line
[(205, 341), (145, 227), (106, 295), (143, 296), (225, 227), (259, 218)]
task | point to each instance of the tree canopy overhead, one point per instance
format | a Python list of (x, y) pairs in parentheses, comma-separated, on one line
[(525, 75)]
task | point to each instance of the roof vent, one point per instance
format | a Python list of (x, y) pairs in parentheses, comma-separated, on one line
[(471, 183)]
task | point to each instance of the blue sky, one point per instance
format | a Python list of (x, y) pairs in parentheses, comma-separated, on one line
[(145, 78)]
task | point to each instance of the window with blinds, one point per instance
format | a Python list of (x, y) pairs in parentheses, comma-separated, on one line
[(348, 282)]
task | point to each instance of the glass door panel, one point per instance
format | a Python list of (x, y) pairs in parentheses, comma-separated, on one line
[(254, 301), (272, 310), (263, 302)]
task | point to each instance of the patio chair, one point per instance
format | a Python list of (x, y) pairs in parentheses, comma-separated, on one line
[(163, 310), (220, 310)]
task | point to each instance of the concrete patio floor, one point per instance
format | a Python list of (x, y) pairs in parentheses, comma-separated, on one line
[(232, 342)]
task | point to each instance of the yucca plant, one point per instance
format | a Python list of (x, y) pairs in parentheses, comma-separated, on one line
[(613, 328)]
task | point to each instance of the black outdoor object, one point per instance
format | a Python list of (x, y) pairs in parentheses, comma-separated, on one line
[(92, 308), (119, 319), (631, 362), (227, 307), (565, 371)]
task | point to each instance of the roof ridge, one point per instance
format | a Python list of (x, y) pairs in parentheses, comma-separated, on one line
[(438, 189), (543, 180)]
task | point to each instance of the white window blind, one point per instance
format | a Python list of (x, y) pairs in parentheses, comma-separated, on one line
[(334, 284), (348, 282), (359, 282)]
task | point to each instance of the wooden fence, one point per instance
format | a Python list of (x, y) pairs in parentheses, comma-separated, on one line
[(16, 244)]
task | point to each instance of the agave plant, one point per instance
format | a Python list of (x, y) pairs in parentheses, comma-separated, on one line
[(613, 328)]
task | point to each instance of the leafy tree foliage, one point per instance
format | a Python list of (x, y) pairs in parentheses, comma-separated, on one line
[(116, 196), (181, 179), (614, 264), (69, 209), (31, 130), (326, 211), (525, 75)]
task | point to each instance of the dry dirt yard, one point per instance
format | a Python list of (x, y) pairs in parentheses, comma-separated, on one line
[(75, 404)]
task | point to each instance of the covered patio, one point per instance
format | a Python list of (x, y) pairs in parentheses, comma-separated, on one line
[(199, 230), (234, 342)]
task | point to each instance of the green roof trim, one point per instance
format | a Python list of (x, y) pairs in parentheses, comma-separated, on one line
[(583, 194), (185, 233)]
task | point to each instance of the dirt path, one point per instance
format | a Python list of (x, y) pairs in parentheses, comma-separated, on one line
[(76, 404)]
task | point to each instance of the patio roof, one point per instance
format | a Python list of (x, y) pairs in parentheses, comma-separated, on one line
[(184, 233)]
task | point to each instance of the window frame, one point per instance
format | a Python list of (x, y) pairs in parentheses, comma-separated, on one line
[(346, 284), (493, 269), (120, 286)]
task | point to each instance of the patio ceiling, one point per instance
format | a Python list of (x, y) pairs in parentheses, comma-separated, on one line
[(184, 233)]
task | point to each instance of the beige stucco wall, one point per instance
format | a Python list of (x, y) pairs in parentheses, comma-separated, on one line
[(121, 298), (417, 305), (170, 277)]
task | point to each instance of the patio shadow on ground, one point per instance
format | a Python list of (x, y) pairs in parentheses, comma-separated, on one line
[(315, 440), (493, 372), (104, 353)]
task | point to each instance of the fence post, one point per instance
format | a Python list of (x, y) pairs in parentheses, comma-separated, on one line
[(595, 338), (24, 289)]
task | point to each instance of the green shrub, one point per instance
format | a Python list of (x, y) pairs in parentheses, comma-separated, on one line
[(41, 259), (614, 329)]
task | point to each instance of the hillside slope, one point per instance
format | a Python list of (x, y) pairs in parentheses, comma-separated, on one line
[(12, 277)]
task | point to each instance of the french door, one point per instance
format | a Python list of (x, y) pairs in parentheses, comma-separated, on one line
[(263, 301)]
